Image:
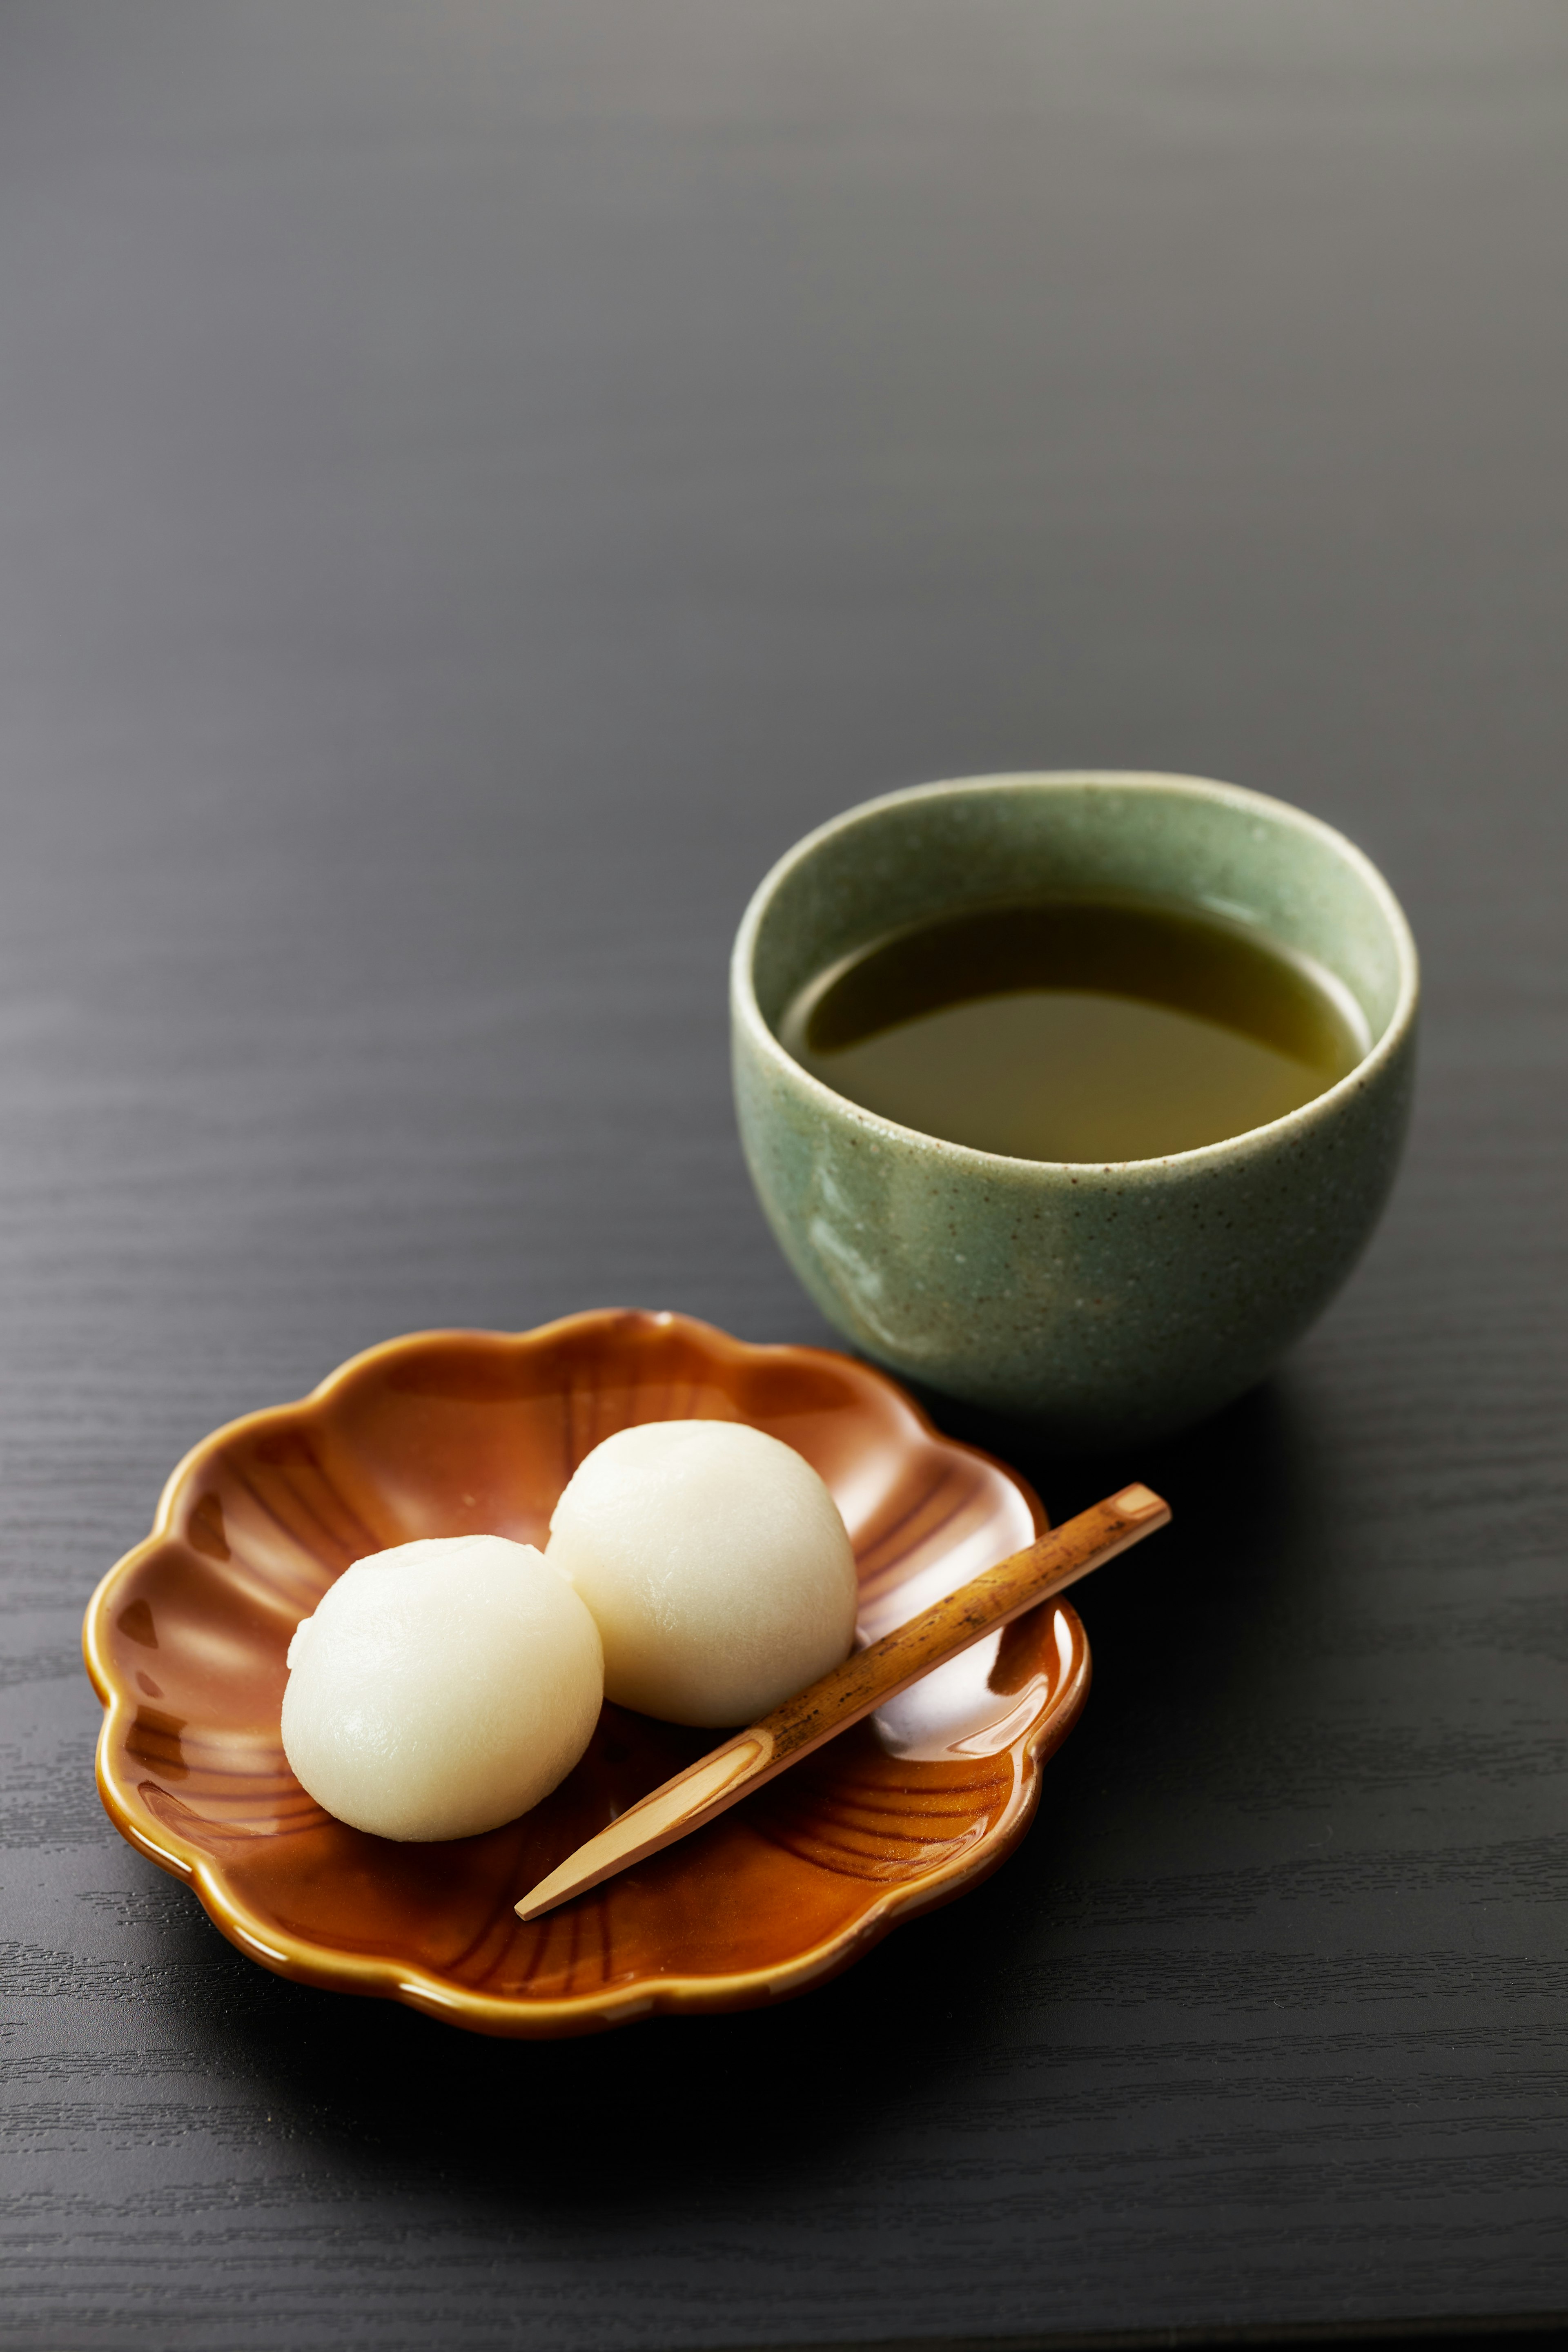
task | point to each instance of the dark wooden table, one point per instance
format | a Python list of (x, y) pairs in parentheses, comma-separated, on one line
[(476, 481)]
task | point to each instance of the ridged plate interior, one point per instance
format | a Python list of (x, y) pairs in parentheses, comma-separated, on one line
[(448, 1432)]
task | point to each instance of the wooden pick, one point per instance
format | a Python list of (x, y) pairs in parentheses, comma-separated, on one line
[(866, 1681)]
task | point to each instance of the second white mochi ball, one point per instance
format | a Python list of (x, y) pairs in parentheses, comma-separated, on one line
[(441, 1688), (716, 1565)]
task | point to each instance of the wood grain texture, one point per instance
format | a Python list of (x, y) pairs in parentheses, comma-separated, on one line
[(866, 1681), (478, 483)]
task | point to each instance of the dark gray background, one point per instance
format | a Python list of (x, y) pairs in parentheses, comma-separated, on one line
[(477, 480)]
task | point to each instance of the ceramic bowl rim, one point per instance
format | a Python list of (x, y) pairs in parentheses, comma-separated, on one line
[(748, 1014), (325, 1965)]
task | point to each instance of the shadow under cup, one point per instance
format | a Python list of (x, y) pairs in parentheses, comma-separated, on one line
[(1101, 1302)]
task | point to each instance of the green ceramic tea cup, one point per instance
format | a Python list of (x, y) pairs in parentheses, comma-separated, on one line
[(1101, 1302)]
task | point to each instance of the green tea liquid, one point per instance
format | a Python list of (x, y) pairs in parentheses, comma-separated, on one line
[(1077, 1029)]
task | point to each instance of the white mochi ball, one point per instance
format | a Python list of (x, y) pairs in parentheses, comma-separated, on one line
[(441, 1688), (716, 1564)]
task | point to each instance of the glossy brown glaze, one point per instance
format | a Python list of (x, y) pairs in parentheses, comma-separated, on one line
[(447, 1434)]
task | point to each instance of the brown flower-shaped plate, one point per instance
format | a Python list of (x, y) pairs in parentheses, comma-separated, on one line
[(452, 1433)]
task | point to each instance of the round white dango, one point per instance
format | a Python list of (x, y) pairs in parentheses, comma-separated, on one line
[(441, 1688), (715, 1563)]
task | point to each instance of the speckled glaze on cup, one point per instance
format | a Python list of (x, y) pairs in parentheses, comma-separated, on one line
[(1101, 1302)]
